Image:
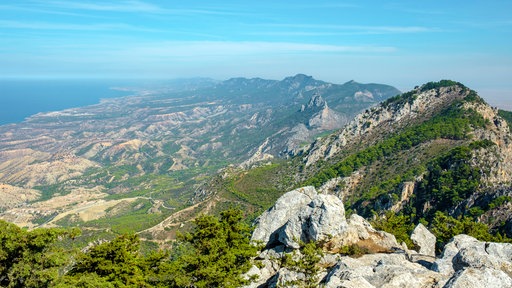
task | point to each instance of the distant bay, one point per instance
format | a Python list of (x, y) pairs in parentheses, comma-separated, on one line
[(20, 99)]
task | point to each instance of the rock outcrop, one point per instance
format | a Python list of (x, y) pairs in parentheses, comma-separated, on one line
[(380, 270), (304, 215), (465, 252), (360, 233), (322, 218), (286, 207), (424, 240)]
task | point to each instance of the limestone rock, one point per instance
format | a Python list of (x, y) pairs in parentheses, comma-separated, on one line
[(472, 263), (359, 232), (301, 215), (304, 215), (286, 278), (379, 118), (316, 102), (381, 270), (258, 156), (476, 278), (269, 262), (262, 274), (407, 191), (465, 251), (320, 219), (425, 240), (286, 207)]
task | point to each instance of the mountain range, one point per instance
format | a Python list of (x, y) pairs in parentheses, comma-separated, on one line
[(381, 200), (150, 163), (105, 165)]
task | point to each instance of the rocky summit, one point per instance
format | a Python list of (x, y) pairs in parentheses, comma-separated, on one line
[(303, 215)]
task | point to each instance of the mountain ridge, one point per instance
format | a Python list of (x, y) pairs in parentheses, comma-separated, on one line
[(425, 167), (159, 146), (440, 128)]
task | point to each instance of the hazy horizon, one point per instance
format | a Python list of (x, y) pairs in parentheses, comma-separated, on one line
[(402, 43)]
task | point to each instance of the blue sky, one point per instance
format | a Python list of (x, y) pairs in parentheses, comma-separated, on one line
[(401, 43)]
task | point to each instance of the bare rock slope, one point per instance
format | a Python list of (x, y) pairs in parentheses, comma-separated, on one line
[(305, 215)]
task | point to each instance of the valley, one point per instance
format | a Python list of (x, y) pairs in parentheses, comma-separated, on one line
[(108, 164), (414, 191)]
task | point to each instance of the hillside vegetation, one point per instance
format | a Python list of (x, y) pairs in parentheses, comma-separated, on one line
[(127, 164), (427, 160), (438, 155), (214, 254)]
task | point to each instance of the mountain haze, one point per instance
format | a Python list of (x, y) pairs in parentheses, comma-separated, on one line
[(111, 163), (429, 169)]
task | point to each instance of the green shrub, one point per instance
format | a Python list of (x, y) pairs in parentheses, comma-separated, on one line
[(442, 83), (32, 258), (498, 201), (218, 252), (306, 262), (353, 250), (444, 227), (453, 123), (399, 225)]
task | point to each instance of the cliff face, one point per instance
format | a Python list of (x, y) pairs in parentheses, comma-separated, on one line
[(496, 162)]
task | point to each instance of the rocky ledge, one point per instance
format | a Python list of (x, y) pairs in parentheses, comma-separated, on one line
[(303, 215)]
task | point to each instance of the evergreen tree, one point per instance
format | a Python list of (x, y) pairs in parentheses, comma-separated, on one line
[(220, 252), (110, 264), (32, 258)]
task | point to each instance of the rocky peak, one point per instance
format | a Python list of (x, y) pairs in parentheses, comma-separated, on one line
[(300, 82), (299, 78), (315, 103), (496, 160)]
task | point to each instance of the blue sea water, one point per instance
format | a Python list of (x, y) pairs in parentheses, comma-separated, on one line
[(22, 98)]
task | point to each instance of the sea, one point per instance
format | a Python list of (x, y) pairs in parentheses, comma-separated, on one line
[(21, 98)]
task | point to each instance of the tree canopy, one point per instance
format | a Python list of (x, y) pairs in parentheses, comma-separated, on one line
[(214, 254), (32, 258)]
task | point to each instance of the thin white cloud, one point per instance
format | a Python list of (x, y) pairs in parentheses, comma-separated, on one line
[(496, 23), (134, 6), (412, 8), (296, 33), (22, 9), (183, 58), (243, 48), (338, 5), (360, 28), (72, 27), (313, 5), (194, 50), (119, 6)]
